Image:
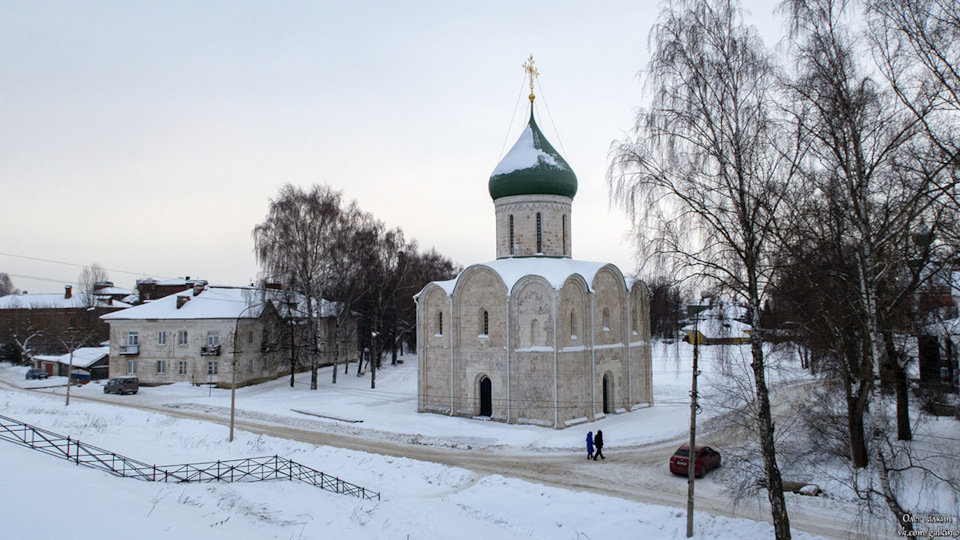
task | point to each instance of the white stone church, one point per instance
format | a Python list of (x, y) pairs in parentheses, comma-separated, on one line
[(535, 336)]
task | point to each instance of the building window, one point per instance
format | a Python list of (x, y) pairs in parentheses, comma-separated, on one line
[(511, 235), (250, 337), (606, 319), (265, 363), (573, 324), (73, 322), (133, 338), (440, 323), (161, 367), (161, 338), (564, 230), (182, 337), (250, 366), (539, 236), (485, 323), (131, 367), (212, 368), (213, 340), (182, 367)]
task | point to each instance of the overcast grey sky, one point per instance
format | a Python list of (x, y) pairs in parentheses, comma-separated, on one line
[(149, 136)]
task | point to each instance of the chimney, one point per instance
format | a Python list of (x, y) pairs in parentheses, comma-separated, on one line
[(181, 300), (197, 289), (67, 292)]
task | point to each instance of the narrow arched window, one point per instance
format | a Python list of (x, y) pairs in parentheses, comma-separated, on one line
[(564, 231), (539, 236), (511, 235), (484, 323), (573, 324), (606, 319), (440, 323)]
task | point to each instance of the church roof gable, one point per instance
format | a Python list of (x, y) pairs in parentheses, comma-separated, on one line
[(556, 271)]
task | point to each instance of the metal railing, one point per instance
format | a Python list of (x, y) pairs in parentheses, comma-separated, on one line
[(235, 470)]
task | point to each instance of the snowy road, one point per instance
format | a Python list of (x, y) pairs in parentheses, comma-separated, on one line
[(636, 473)]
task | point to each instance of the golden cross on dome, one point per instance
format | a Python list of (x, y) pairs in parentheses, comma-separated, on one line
[(532, 72)]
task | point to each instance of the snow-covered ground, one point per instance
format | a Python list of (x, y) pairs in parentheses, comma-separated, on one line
[(43, 497)]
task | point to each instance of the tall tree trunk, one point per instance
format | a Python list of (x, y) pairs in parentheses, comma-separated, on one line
[(778, 504), (901, 388), (858, 443), (904, 433), (336, 347)]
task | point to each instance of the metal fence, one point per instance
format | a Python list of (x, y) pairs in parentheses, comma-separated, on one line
[(235, 470)]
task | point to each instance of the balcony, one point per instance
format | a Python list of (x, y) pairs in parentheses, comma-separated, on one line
[(210, 350), (129, 350)]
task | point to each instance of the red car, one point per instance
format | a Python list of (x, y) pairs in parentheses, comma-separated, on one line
[(707, 459)]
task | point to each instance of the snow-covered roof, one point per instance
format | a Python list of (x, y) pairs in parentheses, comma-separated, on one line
[(532, 167), (177, 282), (213, 302), (83, 357), (554, 270), (721, 320), (49, 301), (720, 328), (524, 155), (114, 291)]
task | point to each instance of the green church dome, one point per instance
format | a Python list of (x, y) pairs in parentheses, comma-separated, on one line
[(532, 167)]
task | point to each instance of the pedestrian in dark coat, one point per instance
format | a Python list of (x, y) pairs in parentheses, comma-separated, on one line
[(598, 442), (589, 444)]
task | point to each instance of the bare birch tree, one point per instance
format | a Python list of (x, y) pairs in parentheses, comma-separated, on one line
[(867, 161), (87, 282), (291, 247), (702, 177)]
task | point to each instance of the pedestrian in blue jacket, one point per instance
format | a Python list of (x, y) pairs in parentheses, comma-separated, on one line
[(589, 444)]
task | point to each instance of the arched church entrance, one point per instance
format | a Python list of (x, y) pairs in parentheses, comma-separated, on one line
[(606, 394), (486, 397)]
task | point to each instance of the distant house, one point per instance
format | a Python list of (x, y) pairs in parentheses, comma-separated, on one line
[(199, 335), (938, 343), (89, 364), (717, 322), (51, 323), (150, 289), (108, 292)]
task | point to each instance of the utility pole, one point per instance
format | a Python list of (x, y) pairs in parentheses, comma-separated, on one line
[(69, 376), (692, 454)]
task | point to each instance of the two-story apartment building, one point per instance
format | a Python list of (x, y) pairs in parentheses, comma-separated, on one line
[(202, 334)]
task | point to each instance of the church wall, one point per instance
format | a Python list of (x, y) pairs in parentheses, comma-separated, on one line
[(554, 236), (533, 390), (609, 334), (574, 357), (480, 290), (641, 361), (433, 350), (609, 307)]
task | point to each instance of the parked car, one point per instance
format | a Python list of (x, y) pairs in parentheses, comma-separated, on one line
[(706, 459), (36, 373), (122, 385)]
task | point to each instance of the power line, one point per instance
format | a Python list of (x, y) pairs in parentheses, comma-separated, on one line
[(66, 264)]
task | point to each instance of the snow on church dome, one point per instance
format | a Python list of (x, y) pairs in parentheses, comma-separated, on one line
[(532, 167)]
